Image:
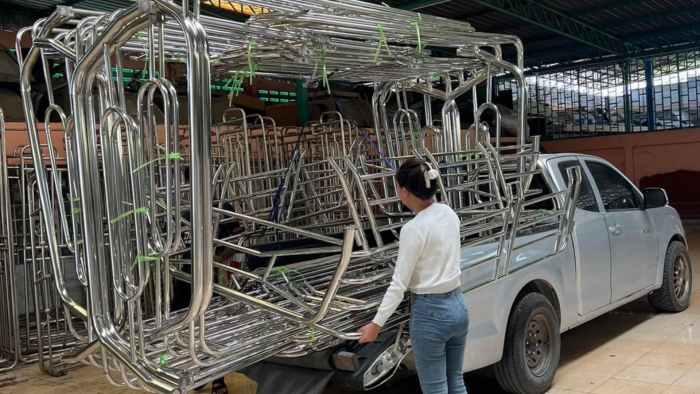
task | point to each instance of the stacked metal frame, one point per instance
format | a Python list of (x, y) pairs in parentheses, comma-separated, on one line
[(316, 204), (35, 325)]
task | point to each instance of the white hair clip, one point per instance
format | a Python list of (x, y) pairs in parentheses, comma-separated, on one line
[(430, 175)]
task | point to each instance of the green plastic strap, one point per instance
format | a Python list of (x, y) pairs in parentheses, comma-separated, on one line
[(142, 210), (251, 69), (382, 41), (172, 156), (313, 77), (237, 82), (163, 360), (417, 26), (472, 155), (144, 42), (231, 85), (256, 68), (144, 259), (284, 271), (234, 90), (325, 73), (79, 242), (74, 201)]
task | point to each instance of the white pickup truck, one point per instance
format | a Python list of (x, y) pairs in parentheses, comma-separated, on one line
[(625, 244)]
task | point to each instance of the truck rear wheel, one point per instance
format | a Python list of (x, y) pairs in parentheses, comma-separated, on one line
[(532, 346), (674, 294)]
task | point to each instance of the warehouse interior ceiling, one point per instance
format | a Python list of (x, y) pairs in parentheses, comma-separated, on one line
[(554, 32)]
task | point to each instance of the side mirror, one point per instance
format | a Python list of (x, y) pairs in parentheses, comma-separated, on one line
[(655, 198)]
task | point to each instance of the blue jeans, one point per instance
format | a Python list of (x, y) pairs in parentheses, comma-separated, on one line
[(439, 325)]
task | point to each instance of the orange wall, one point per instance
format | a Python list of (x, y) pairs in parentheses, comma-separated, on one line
[(16, 136), (668, 159), (7, 39)]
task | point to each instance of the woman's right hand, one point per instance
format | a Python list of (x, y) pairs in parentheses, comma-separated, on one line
[(369, 333)]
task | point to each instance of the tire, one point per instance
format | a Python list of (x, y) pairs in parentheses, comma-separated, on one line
[(674, 294), (524, 368)]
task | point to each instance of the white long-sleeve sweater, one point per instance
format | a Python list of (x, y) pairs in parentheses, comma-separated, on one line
[(428, 260)]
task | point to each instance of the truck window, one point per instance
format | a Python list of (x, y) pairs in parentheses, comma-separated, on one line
[(586, 198), (538, 188), (615, 191)]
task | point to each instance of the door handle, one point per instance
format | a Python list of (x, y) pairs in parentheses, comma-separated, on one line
[(647, 231), (615, 230)]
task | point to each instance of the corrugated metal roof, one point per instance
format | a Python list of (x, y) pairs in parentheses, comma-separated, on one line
[(645, 23)]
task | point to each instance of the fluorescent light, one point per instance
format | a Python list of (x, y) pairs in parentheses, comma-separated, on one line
[(237, 7)]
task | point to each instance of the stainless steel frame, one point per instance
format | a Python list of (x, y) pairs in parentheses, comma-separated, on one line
[(316, 205)]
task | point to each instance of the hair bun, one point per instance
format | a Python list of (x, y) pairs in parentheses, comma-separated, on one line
[(433, 174), (430, 175)]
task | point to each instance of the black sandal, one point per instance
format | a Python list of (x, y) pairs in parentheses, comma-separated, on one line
[(219, 387)]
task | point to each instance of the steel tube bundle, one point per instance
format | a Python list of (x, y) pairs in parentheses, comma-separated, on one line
[(315, 210)]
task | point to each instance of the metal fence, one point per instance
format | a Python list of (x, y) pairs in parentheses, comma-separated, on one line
[(613, 97)]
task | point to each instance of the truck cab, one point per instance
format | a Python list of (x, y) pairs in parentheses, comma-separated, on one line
[(625, 244)]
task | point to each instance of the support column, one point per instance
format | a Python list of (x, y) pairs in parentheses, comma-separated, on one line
[(651, 106), (536, 115), (495, 92), (580, 103), (302, 103), (627, 98), (680, 93)]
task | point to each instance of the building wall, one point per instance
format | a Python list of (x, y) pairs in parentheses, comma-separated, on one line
[(668, 159), (17, 140)]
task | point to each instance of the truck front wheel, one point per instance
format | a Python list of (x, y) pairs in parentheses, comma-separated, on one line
[(531, 349), (674, 294)]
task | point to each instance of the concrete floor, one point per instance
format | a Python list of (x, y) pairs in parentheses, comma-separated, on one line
[(630, 350)]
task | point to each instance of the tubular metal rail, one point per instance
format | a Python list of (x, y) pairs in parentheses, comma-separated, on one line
[(35, 326), (139, 206), (9, 320)]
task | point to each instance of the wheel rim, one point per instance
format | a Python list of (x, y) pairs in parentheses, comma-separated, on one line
[(538, 352), (681, 280)]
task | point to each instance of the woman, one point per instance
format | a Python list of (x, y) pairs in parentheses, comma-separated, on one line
[(428, 265)]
